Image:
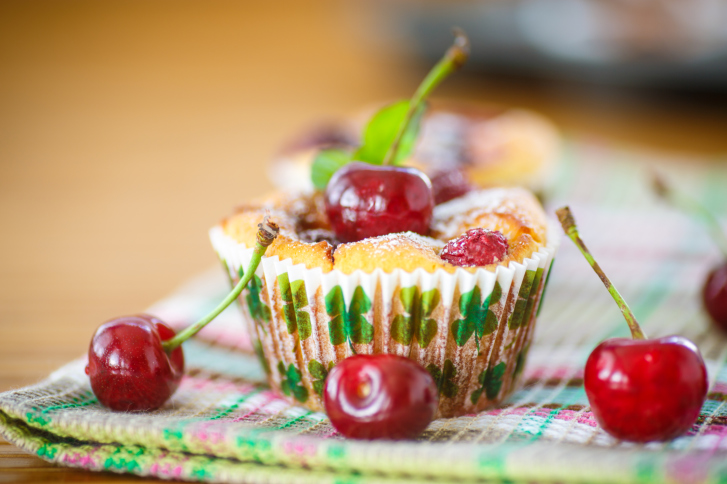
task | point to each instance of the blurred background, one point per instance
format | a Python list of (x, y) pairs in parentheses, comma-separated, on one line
[(127, 129)]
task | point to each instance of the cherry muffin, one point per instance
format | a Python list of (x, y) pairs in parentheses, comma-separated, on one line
[(461, 300)]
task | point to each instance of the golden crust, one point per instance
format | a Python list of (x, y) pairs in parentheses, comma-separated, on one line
[(513, 211), (407, 251), (243, 228)]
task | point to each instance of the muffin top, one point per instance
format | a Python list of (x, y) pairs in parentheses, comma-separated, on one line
[(306, 237)]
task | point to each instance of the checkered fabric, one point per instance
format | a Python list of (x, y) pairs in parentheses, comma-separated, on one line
[(224, 424)]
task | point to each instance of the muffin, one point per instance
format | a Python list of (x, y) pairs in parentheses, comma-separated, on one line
[(484, 145), (315, 301)]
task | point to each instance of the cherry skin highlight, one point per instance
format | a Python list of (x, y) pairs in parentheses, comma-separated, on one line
[(380, 397), (476, 247), (128, 367), (714, 295), (646, 390), (364, 200)]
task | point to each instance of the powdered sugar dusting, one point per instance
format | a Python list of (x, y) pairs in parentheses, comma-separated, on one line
[(449, 216), (388, 243)]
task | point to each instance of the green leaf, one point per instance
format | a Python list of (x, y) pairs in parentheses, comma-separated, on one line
[(326, 163), (476, 396), (491, 323), (473, 315), (401, 329), (409, 298), (259, 311), (300, 297), (300, 301), (334, 301), (304, 325), (449, 388), (317, 370), (412, 324), (404, 325), (382, 129), (318, 386), (445, 379), (289, 316), (336, 308), (337, 330), (469, 301), (533, 295), (491, 381), (319, 373), (361, 331), (294, 300), (430, 301), (426, 331), (477, 318), (288, 309), (462, 330), (349, 325), (360, 303), (290, 382), (496, 294), (284, 286), (518, 314)]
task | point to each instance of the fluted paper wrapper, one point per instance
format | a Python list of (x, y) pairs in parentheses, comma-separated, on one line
[(471, 331)]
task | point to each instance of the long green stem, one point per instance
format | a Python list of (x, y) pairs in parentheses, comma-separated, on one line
[(694, 208), (267, 231), (569, 226), (453, 59)]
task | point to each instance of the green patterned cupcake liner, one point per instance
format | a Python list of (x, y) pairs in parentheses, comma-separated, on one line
[(471, 331)]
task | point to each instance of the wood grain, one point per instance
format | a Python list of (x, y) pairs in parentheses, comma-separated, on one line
[(129, 128)]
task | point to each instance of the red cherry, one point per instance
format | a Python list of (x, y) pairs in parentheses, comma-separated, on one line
[(477, 247), (449, 184), (714, 295), (128, 367), (645, 390), (364, 200), (380, 397)]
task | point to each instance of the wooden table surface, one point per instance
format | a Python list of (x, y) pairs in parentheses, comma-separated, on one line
[(128, 128)]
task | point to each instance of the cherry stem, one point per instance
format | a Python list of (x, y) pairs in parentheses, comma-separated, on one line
[(452, 60), (569, 227), (693, 207), (267, 231)]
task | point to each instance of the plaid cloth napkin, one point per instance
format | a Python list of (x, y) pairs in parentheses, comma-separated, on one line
[(224, 424)]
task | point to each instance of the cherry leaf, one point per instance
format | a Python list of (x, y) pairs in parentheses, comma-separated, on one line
[(382, 129), (326, 163)]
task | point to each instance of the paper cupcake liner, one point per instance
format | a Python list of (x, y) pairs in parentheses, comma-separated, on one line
[(471, 331)]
